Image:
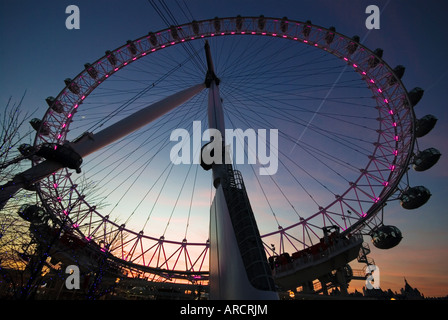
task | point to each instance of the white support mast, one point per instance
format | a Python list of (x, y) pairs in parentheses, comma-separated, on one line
[(135, 121), (238, 266)]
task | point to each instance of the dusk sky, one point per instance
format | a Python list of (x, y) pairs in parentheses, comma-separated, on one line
[(38, 52)]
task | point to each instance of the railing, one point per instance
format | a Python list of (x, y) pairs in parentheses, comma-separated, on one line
[(246, 232), (359, 274), (309, 259), (363, 252)]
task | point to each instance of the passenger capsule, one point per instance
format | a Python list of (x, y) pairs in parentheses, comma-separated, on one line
[(386, 237), (26, 150), (111, 57), (397, 74), (306, 30), (425, 125), (54, 104), (284, 24), (32, 213), (415, 197), (72, 86), (239, 22), (373, 60), (195, 27), (261, 22), (131, 47), (63, 154), (153, 39), (426, 159), (217, 24), (329, 36), (174, 33), (37, 124), (415, 95), (91, 70), (346, 272), (353, 45)]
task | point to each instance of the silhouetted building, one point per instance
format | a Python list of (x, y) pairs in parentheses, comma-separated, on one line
[(409, 293), (406, 293)]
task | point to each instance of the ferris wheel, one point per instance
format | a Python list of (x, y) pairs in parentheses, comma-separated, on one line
[(346, 126)]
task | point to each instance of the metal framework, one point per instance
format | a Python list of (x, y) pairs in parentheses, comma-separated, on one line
[(364, 197)]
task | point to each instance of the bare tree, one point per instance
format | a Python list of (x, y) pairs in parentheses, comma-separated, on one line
[(13, 134), (16, 247), (28, 238)]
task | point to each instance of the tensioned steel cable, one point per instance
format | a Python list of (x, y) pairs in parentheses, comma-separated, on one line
[(186, 45), (136, 97)]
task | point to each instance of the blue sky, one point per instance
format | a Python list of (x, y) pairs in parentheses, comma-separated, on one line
[(38, 53)]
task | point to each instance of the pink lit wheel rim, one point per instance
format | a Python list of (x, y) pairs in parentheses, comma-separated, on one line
[(345, 140)]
